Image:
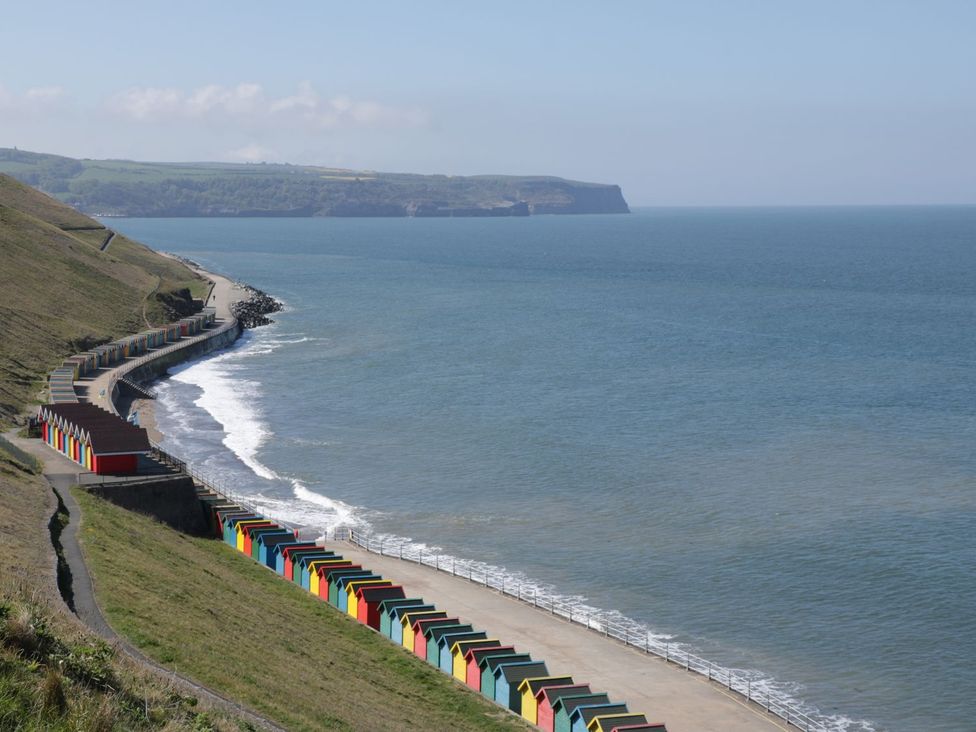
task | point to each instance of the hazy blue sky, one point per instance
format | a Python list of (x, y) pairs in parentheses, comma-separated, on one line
[(745, 102)]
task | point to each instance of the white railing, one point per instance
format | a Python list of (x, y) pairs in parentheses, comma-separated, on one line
[(599, 623)]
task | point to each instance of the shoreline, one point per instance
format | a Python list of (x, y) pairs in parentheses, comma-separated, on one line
[(685, 701)]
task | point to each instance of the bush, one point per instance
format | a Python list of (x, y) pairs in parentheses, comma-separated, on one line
[(90, 664)]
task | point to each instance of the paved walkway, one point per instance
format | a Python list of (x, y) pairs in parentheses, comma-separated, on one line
[(686, 702), (62, 473)]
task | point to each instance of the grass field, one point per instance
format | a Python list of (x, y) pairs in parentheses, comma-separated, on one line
[(62, 295), (55, 676), (198, 605)]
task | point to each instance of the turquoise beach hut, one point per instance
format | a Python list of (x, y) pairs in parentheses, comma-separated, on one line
[(564, 706), (386, 612), (268, 542), (337, 585), (490, 663), (433, 634), (258, 534)]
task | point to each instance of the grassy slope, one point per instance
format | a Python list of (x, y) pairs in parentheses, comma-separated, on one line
[(234, 626), (61, 294), (39, 690)]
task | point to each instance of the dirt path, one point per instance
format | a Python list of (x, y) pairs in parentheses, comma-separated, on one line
[(61, 474)]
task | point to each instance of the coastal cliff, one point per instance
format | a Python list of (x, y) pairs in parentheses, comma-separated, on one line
[(126, 188)]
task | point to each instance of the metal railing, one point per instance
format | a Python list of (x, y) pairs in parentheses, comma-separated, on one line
[(596, 622)]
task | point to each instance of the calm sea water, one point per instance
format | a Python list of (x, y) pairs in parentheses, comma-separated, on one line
[(752, 430)]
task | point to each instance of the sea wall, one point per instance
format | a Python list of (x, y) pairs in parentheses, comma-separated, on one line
[(171, 499), (154, 366)]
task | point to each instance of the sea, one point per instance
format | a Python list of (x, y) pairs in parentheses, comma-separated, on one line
[(750, 430)]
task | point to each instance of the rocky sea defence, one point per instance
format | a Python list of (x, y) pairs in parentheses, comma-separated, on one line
[(253, 310)]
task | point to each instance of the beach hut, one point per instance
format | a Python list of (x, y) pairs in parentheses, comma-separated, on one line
[(546, 698), (236, 537), (397, 621), (352, 599), (580, 719), (490, 663), (93, 437), (303, 563), (337, 585), (564, 707), (445, 648), (258, 534), (420, 631), (246, 536), (386, 612), (459, 667), (239, 530), (282, 551), (531, 686), (315, 583), (610, 722), (328, 575), (210, 504), (368, 601), (508, 677), (226, 522), (230, 525), (285, 557), (276, 557), (271, 540), (172, 332), (315, 575), (433, 632), (649, 727), (473, 659)]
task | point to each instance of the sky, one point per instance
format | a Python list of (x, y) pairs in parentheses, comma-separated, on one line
[(752, 102)]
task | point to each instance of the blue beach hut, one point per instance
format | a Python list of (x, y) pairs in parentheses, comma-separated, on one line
[(584, 714), (489, 663), (445, 659), (564, 706), (508, 678), (434, 632), (337, 586), (257, 535), (303, 577), (402, 618), (268, 542), (279, 553), (386, 612)]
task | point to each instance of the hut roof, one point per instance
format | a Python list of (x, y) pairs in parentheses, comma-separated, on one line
[(518, 670), (555, 693), (570, 703), (376, 594), (480, 652), (492, 662), (108, 434), (535, 683), (587, 712)]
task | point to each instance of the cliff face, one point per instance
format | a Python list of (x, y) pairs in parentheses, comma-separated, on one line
[(567, 198), (123, 188)]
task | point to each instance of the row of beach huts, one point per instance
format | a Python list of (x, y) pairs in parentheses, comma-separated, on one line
[(61, 380), (95, 438), (514, 680)]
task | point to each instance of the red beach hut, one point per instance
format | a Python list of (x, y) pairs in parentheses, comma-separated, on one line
[(368, 607), (473, 658)]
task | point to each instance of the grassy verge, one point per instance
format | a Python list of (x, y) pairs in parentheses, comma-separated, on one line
[(56, 676), (199, 606)]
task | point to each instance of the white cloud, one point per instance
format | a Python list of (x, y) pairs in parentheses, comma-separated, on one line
[(34, 99), (248, 105), (144, 103), (252, 153)]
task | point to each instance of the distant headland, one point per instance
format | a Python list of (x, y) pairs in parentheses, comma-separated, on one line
[(128, 188)]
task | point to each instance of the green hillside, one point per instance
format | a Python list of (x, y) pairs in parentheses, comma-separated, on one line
[(128, 188), (62, 294)]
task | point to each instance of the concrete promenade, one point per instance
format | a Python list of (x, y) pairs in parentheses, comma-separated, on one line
[(686, 702)]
